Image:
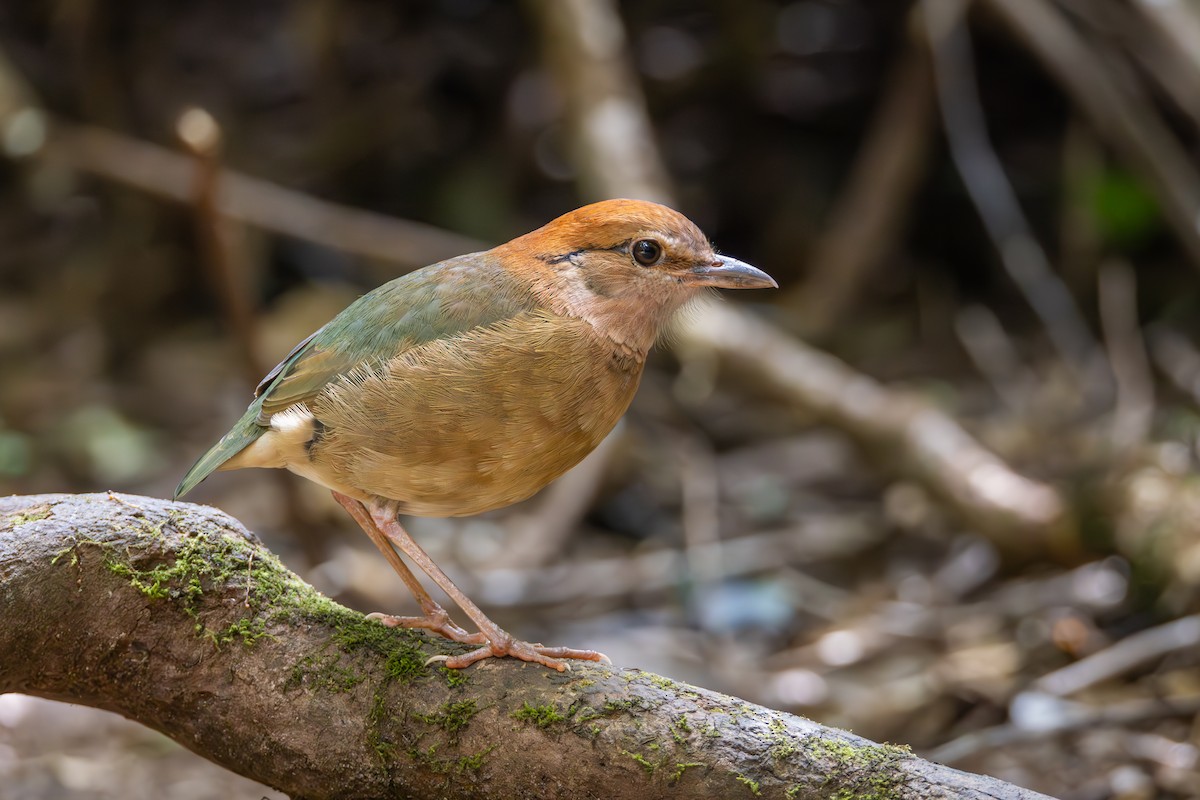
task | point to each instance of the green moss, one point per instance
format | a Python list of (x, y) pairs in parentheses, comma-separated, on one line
[(660, 681), (384, 750), (585, 683), (428, 758), (646, 765), (750, 784), (451, 717), (253, 581), (472, 763), (404, 663), (680, 729), (248, 629), (33, 514), (681, 768), (323, 672), (542, 716), (455, 678), (629, 705), (442, 766), (783, 744), (861, 771)]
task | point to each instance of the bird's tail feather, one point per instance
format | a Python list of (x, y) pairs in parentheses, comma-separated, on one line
[(246, 431)]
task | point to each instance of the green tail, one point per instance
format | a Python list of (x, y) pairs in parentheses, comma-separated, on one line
[(243, 433)]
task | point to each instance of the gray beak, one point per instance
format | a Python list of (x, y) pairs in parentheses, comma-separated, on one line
[(729, 273)]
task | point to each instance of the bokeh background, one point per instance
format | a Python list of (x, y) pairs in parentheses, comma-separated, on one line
[(942, 493)]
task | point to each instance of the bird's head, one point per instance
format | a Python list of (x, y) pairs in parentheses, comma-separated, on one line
[(625, 266)]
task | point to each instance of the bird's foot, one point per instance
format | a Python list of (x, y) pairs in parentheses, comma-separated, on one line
[(437, 622), (505, 645)]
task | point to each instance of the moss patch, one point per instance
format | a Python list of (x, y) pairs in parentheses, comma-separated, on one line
[(750, 784), (455, 678), (646, 765), (680, 729), (324, 672), (473, 762), (543, 716), (262, 585), (783, 744), (681, 768), (451, 717), (862, 771), (247, 630), (238, 593), (32, 514)]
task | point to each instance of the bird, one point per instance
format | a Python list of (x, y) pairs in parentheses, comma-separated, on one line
[(470, 384)]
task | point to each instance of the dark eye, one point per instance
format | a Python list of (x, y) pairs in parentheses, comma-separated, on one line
[(647, 252)]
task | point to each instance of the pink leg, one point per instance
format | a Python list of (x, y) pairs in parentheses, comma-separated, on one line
[(499, 642), (436, 619)]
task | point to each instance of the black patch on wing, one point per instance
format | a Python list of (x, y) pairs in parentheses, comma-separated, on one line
[(318, 435)]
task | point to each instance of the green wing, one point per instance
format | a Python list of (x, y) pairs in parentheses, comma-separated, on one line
[(443, 300)]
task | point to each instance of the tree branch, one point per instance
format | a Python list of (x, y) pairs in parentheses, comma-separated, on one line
[(175, 616), (1019, 514)]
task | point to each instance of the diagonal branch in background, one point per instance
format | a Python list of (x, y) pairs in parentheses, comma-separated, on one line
[(1020, 515), (253, 201), (1125, 119), (1173, 55), (1156, 40), (995, 199), (175, 616)]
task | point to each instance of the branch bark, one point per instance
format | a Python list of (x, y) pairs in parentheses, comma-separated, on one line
[(175, 616)]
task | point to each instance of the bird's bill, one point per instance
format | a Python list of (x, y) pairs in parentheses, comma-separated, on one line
[(729, 273)]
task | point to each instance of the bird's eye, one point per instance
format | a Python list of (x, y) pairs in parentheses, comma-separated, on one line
[(647, 252)]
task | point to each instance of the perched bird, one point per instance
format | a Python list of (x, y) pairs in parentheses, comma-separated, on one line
[(472, 383)]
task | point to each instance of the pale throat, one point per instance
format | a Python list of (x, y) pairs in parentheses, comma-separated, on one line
[(631, 321)]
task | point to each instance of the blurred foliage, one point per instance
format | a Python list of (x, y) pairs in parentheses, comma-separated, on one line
[(1124, 213)]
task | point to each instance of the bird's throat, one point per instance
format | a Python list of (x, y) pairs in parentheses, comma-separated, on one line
[(630, 321)]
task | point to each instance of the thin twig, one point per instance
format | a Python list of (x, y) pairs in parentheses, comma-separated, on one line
[(1124, 656), (1127, 120), (1177, 358), (201, 135), (254, 201), (1074, 718), (993, 195), (1127, 354), (1173, 56), (994, 355)]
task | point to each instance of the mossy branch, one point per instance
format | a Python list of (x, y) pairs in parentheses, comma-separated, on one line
[(174, 615)]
